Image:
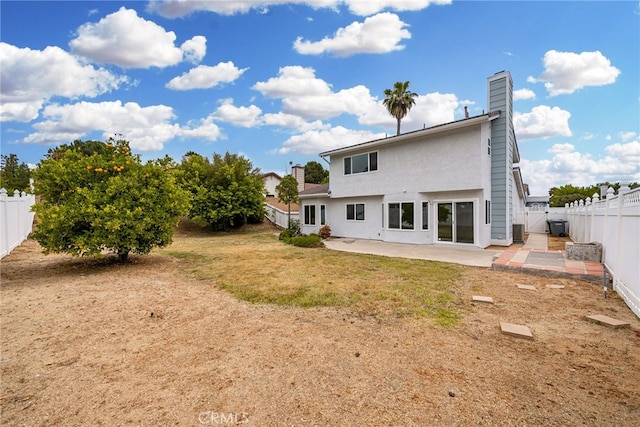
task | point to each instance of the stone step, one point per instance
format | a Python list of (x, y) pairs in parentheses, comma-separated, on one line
[(478, 298), (608, 321), (518, 331)]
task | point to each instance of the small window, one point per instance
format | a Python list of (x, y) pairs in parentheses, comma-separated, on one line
[(401, 216), (355, 212), (310, 215), (361, 163), (323, 215), (489, 146), (487, 211), (394, 215), (425, 215)]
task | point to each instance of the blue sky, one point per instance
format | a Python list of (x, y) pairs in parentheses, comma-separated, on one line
[(280, 81)]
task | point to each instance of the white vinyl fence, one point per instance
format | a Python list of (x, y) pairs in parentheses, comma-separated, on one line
[(16, 219), (280, 217), (615, 223)]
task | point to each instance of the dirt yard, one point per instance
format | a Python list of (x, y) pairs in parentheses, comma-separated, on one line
[(87, 343)]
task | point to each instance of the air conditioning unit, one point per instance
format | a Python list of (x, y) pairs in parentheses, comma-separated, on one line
[(518, 233)]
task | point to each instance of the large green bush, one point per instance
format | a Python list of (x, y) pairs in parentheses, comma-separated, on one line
[(226, 193)]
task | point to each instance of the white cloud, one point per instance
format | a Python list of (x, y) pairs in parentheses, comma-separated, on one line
[(569, 166), (521, 94), (542, 122), (194, 49), (369, 7), (124, 39), (29, 78), (284, 120), (202, 129), (239, 116), (179, 8), (293, 81), (430, 109), (356, 101), (316, 141), (204, 76), (625, 136), (146, 128), (381, 33), (566, 72), (630, 151), (304, 95)]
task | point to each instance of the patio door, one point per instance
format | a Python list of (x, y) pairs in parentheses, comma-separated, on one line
[(455, 222)]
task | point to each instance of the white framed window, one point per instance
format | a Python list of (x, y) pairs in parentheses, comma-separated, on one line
[(487, 211), (323, 215), (425, 215), (310, 215), (401, 216), (355, 211), (361, 163), (489, 146)]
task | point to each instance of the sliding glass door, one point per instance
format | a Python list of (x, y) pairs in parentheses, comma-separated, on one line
[(455, 222)]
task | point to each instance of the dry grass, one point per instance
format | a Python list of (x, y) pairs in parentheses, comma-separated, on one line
[(259, 268)]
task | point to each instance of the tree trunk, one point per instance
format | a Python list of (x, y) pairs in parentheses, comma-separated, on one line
[(123, 257), (398, 127)]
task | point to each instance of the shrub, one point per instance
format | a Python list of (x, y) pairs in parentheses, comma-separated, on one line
[(325, 232), (310, 241), (287, 235)]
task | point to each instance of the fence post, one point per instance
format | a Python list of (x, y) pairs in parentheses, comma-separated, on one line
[(595, 199), (607, 207), (616, 269), (4, 226)]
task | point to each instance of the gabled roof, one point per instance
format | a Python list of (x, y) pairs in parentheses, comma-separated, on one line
[(458, 124), (264, 175)]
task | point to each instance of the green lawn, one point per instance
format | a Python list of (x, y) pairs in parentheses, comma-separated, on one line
[(259, 268)]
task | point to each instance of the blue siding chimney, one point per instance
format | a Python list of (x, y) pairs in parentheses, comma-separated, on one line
[(500, 97)]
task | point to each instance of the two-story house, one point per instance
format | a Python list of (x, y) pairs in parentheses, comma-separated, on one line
[(453, 183)]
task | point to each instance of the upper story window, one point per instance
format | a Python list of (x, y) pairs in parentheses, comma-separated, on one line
[(361, 163)]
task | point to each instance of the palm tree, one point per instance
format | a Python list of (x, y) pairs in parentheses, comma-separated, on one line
[(399, 101)]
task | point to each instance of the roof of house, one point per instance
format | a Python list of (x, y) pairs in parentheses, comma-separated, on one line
[(538, 199), (310, 185), (421, 132), (264, 175), (319, 189), (276, 203)]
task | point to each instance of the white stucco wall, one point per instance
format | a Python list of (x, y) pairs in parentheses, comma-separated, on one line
[(270, 183), (449, 167), (455, 160)]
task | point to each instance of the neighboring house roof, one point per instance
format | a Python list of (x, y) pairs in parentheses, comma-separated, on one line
[(273, 201), (538, 199), (458, 124), (318, 190), (264, 175)]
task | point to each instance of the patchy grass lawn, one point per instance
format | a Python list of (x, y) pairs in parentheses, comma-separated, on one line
[(257, 267)]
